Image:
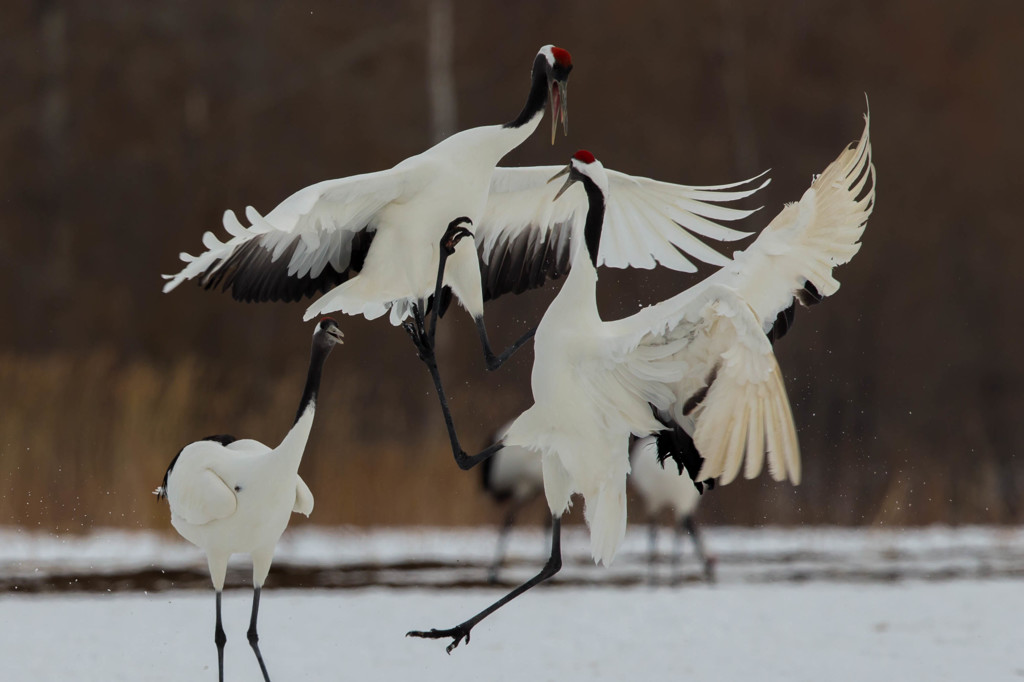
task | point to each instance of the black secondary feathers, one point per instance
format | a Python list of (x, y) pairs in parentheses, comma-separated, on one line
[(253, 276), (521, 261)]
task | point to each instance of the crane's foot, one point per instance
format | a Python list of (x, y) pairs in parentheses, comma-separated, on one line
[(457, 633), (417, 331), (454, 234)]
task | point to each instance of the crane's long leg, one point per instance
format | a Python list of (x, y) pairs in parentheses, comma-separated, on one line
[(254, 638), (417, 331), (698, 543), (423, 337), (495, 361), (221, 639), (452, 236), (461, 631)]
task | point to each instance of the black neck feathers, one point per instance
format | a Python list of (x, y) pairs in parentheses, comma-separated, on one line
[(538, 94), (317, 356), (595, 218)]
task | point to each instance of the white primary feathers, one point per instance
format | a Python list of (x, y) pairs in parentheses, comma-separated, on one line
[(700, 355), (371, 241), (700, 361)]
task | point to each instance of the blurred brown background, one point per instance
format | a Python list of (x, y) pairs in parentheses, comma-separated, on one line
[(126, 129)]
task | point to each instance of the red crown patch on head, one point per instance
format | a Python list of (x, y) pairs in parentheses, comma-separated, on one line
[(325, 320), (584, 156), (561, 56)]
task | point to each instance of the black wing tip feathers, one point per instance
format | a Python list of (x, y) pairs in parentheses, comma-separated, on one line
[(783, 323), (252, 275), (809, 294), (673, 442)]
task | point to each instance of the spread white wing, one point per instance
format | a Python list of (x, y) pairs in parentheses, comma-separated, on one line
[(523, 238), (311, 242), (705, 353)]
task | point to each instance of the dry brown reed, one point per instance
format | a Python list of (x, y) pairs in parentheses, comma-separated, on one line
[(85, 439)]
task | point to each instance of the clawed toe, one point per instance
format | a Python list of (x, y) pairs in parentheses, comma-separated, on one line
[(454, 234), (458, 634)]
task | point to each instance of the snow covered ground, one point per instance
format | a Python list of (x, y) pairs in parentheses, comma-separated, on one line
[(313, 557), (804, 604)]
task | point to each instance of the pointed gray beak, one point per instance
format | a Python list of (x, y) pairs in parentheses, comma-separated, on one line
[(568, 183), (558, 93)]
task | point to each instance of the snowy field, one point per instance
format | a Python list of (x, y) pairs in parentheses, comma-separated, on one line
[(805, 604)]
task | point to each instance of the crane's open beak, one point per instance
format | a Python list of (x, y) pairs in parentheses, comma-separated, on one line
[(336, 334), (568, 183), (558, 93)]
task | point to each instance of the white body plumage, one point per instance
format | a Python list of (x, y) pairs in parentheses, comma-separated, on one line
[(700, 355), (370, 241), (231, 496), (237, 498), (515, 472)]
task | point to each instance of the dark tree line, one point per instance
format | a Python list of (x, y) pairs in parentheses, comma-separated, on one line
[(126, 129)]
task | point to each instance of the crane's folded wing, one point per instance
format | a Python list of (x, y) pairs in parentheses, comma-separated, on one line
[(206, 498)]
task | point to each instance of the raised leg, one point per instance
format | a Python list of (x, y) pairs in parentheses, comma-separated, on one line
[(221, 639), (495, 361), (423, 335), (698, 544), (462, 630), (416, 330), (254, 638)]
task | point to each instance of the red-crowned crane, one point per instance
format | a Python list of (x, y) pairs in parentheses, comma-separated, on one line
[(231, 496), (662, 489), (703, 355), (370, 241)]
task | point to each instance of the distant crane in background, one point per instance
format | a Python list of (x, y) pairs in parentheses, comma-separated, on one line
[(512, 476), (662, 488), (231, 496), (702, 355)]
